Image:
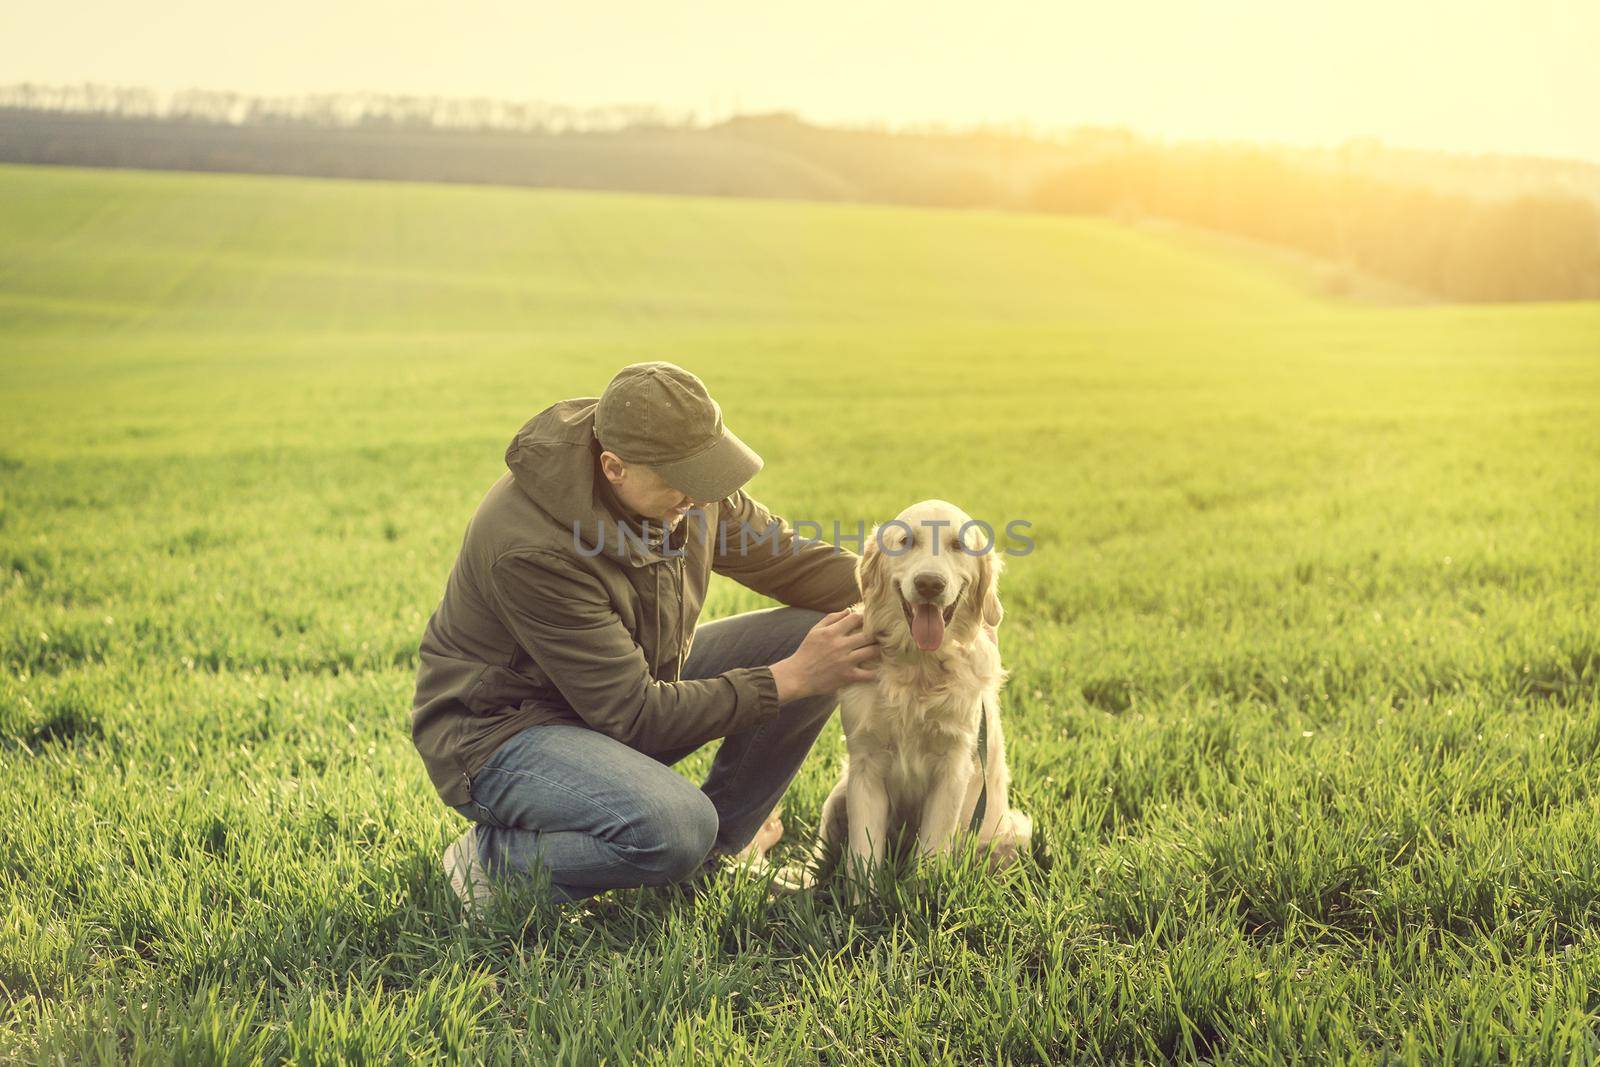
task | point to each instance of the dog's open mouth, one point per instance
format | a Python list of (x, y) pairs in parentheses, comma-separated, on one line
[(927, 622)]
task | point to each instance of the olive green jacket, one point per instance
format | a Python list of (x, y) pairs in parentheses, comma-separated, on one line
[(551, 614)]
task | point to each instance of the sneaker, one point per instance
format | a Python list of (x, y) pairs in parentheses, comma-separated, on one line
[(795, 878), (718, 866), (703, 876), (466, 873)]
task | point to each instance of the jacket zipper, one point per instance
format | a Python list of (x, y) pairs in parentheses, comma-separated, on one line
[(677, 674)]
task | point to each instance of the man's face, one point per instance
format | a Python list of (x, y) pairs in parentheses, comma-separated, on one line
[(642, 490)]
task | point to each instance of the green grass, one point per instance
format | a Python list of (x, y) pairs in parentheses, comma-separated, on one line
[(1306, 660)]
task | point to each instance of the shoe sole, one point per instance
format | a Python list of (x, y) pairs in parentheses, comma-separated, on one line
[(461, 863)]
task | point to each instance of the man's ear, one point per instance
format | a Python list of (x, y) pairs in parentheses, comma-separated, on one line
[(612, 466), (869, 569), (988, 591)]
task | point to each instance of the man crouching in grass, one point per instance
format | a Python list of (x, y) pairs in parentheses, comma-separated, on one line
[(562, 674)]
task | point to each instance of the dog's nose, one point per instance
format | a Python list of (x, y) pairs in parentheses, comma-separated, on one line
[(928, 585)]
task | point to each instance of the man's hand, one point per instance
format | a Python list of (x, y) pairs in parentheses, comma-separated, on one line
[(837, 652)]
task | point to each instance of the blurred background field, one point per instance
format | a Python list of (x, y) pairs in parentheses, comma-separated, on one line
[(1305, 661), (1478, 226)]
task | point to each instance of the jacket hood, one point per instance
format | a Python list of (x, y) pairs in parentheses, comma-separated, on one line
[(552, 460)]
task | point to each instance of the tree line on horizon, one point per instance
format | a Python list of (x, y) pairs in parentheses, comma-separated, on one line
[(1463, 228), (1533, 246), (331, 110)]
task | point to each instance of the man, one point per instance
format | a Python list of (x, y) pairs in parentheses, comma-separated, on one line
[(562, 673)]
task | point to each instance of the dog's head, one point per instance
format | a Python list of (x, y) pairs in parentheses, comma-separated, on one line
[(929, 576)]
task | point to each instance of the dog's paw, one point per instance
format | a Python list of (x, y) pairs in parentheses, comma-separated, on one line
[(856, 882), (1002, 855), (927, 860), (854, 894), (1013, 840)]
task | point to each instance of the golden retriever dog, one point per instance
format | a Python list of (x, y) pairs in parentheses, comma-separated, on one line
[(930, 596)]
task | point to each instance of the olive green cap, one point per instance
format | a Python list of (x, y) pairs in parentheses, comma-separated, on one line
[(660, 415)]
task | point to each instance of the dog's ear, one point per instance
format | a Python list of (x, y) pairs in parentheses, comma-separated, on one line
[(988, 592), (869, 570)]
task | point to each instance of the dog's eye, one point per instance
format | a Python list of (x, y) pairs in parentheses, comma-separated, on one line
[(955, 544)]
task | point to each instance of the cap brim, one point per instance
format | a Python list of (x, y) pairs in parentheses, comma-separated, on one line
[(715, 473)]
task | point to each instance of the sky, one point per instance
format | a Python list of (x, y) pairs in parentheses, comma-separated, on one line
[(1465, 75)]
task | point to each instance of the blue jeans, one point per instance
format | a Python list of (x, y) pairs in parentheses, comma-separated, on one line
[(601, 815)]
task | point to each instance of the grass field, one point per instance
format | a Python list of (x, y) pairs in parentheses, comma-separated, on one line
[(1306, 660)]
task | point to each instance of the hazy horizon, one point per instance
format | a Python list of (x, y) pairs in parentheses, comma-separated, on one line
[(1485, 77)]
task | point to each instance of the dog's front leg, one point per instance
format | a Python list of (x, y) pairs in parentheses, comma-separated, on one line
[(867, 808), (941, 808)]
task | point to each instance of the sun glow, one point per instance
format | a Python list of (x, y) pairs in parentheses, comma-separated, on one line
[(1475, 75)]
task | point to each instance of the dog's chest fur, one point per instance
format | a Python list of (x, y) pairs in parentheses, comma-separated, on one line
[(922, 712)]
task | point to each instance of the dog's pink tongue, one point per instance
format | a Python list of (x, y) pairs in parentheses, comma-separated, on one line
[(927, 626)]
